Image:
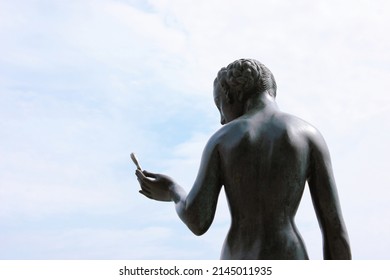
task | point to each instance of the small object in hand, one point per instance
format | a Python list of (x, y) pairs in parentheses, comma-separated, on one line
[(134, 159)]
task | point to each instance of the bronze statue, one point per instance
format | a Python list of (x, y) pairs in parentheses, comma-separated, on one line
[(263, 157)]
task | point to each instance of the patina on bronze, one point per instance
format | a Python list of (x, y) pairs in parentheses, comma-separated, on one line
[(263, 158)]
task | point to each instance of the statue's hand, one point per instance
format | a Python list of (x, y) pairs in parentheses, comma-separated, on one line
[(155, 186)]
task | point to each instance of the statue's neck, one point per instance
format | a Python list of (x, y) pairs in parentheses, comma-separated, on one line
[(260, 103)]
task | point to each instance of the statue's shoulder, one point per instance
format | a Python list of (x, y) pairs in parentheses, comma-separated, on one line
[(296, 123), (297, 129), (230, 134)]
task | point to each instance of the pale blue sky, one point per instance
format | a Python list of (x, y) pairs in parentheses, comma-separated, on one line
[(85, 83)]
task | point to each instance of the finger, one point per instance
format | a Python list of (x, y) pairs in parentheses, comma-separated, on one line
[(144, 185), (145, 194), (140, 175), (150, 174), (145, 188), (145, 191)]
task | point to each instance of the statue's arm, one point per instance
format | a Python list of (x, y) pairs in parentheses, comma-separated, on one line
[(326, 202), (197, 209)]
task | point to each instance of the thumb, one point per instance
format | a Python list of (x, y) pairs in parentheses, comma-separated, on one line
[(150, 174)]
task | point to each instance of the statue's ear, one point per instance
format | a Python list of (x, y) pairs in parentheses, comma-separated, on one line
[(240, 95), (237, 96), (229, 97)]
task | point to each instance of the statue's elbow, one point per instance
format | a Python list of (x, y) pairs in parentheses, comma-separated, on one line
[(198, 224), (198, 229)]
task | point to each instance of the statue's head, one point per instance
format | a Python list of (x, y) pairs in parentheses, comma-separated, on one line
[(246, 77), (241, 80)]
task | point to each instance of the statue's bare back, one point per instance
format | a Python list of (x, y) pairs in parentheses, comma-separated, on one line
[(263, 159), (266, 167)]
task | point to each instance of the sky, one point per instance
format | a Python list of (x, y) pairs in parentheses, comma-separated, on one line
[(85, 83)]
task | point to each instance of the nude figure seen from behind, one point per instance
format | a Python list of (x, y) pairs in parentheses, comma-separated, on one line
[(262, 158)]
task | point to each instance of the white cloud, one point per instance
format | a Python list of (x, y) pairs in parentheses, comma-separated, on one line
[(83, 84)]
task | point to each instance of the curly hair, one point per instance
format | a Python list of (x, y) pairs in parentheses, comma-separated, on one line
[(246, 77)]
